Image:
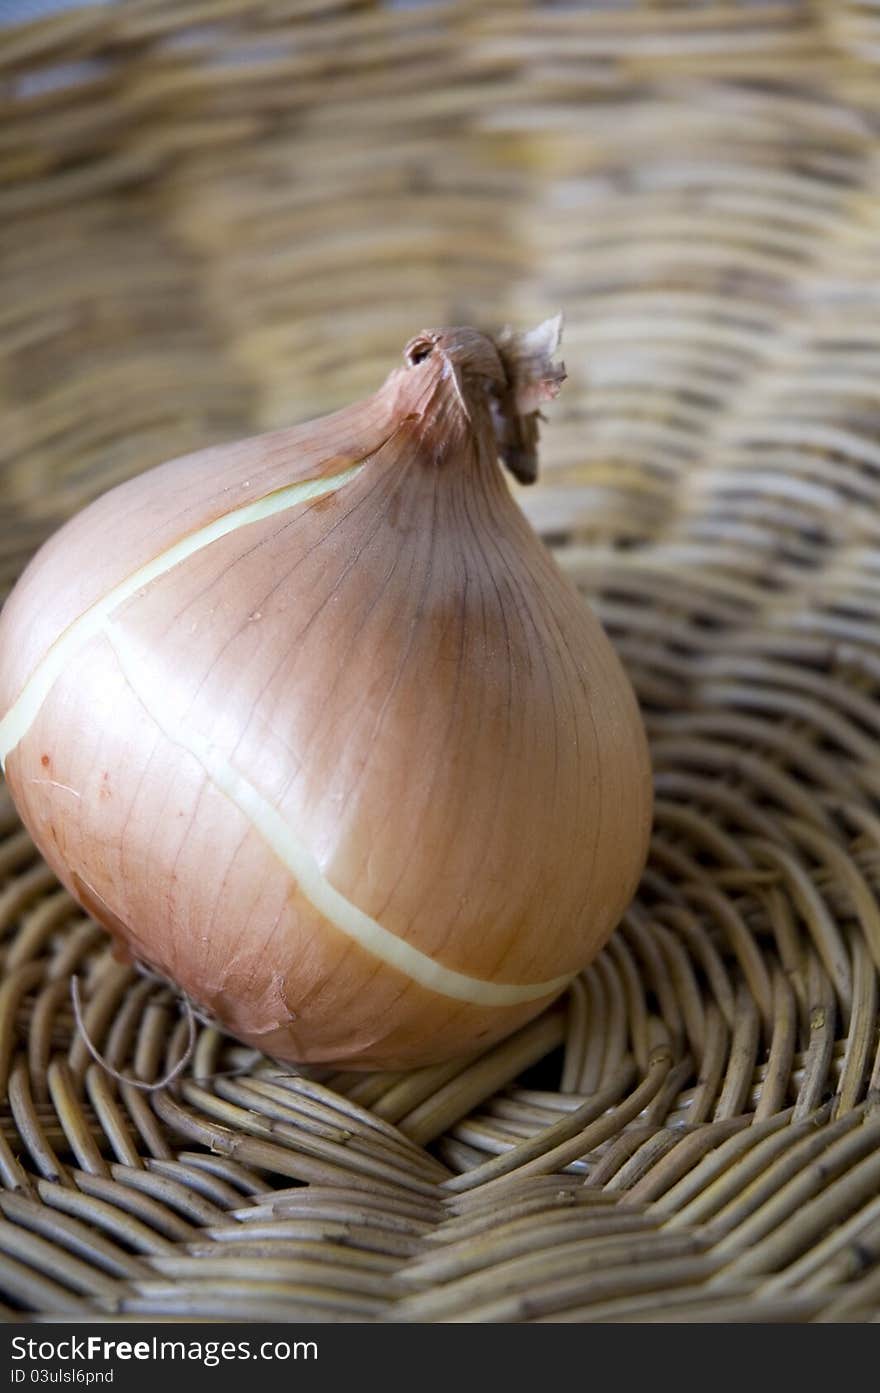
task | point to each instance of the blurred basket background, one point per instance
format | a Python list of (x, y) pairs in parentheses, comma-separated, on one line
[(223, 216)]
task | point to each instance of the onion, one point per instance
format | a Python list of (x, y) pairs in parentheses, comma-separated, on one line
[(316, 727)]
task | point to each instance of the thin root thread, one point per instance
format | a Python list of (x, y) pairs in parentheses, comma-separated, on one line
[(125, 1078)]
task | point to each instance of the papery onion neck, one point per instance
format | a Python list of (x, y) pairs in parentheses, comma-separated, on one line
[(510, 376)]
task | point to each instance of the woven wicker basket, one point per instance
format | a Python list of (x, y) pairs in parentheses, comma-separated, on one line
[(223, 216)]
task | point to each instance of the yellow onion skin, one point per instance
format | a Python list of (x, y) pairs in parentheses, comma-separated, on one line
[(394, 675)]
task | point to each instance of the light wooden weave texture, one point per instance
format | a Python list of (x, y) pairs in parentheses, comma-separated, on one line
[(222, 216)]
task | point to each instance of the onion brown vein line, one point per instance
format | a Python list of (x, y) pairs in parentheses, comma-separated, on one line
[(266, 820), (24, 710)]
